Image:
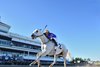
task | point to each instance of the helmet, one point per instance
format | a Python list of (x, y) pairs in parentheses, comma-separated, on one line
[(46, 30)]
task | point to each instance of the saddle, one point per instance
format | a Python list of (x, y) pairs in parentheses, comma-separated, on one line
[(57, 50), (58, 47)]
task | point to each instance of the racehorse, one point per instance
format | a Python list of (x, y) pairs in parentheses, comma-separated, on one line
[(48, 48)]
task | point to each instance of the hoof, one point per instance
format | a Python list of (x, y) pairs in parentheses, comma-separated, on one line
[(50, 66), (30, 64)]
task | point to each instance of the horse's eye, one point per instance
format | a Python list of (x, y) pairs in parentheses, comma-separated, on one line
[(37, 31)]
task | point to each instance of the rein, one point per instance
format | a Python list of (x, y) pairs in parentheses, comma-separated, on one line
[(47, 38)]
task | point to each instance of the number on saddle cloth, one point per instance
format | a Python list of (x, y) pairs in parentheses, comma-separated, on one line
[(59, 45)]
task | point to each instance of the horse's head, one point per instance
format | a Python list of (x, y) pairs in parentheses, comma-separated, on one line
[(36, 33)]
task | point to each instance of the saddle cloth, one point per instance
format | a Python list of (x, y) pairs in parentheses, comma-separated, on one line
[(58, 50)]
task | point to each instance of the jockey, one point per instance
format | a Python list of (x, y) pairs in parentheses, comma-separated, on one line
[(51, 36)]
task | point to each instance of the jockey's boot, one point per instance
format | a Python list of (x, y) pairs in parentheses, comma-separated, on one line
[(55, 42)]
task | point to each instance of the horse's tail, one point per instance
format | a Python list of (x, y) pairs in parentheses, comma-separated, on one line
[(68, 56)]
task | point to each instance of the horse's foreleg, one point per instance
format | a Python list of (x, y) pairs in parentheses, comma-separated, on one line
[(55, 59), (38, 63), (34, 62), (37, 60)]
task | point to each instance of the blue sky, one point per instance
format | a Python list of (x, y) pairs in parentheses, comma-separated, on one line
[(75, 22)]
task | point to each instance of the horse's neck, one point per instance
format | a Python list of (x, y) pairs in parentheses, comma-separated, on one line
[(43, 39)]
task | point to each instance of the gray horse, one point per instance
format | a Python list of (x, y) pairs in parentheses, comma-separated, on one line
[(48, 48)]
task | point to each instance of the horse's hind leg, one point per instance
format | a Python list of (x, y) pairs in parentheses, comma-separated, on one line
[(64, 61), (55, 59), (38, 63), (64, 57)]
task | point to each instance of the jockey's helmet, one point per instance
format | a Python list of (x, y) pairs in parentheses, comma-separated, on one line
[(46, 31)]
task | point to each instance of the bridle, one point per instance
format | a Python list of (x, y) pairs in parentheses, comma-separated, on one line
[(40, 36)]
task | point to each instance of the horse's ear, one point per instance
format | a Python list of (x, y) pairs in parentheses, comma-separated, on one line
[(40, 29)]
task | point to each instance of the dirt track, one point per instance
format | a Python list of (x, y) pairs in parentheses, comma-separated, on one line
[(25, 66), (41, 66)]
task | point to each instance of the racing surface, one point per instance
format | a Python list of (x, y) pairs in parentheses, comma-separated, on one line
[(42, 66)]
